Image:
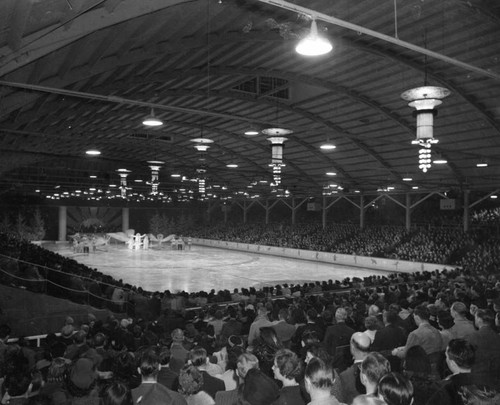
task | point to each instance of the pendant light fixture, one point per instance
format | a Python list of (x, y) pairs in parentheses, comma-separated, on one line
[(313, 44), (152, 120)]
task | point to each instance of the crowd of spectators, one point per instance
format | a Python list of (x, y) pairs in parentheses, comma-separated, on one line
[(430, 338), (422, 338)]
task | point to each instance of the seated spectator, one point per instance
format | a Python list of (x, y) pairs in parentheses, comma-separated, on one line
[(191, 386), (117, 394), (265, 347), (371, 325), (373, 367), (395, 389), (178, 352), (284, 330), (246, 362), (257, 389), (211, 384), (417, 368), (287, 369), (425, 335), (150, 392), (460, 357), (350, 378), (166, 376), (487, 344), (390, 336), (462, 327), (338, 334), (319, 382), (82, 383)]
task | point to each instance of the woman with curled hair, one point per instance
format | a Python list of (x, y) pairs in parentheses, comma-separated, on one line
[(395, 389), (117, 393), (287, 368), (319, 382), (191, 384), (265, 347)]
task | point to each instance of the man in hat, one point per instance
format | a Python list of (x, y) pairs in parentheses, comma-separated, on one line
[(462, 327), (150, 391)]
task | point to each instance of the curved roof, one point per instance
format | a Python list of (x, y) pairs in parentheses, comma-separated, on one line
[(76, 74)]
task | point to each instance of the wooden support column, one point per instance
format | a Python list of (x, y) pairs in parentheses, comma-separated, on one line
[(362, 211)]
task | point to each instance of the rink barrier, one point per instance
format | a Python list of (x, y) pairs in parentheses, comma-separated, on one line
[(365, 262)]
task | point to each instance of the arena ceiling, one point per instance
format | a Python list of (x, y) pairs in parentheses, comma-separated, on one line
[(81, 74)]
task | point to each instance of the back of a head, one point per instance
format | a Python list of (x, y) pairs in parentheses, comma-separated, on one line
[(246, 362), (395, 389), (198, 356), (371, 322), (288, 364), (461, 352), (319, 374), (391, 317), (190, 380), (258, 389), (422, 312), (460, 308), (150, 363), (417, 360), (445, 319), (486, 316), (117, 393), (360, 343), (374, 366)]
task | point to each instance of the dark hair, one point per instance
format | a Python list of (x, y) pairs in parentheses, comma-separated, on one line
[(310, 336), (391, 317), (190, 380), (395, 389), (198, 356), (461, 352), (288, 364), (422, 312), (375, 366), (268, 336), (320, 374), (149, 363), (486, 315), (117, 393), (319, 351), (417, 360), (445, 319)]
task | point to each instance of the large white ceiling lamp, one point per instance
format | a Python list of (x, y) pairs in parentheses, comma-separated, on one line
[(313, 44), (155, 166), (424, 100), (152, 120)]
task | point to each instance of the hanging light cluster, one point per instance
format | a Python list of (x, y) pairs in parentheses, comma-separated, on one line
[(424, 100), (123, 173), (155, 166), (277, 144)]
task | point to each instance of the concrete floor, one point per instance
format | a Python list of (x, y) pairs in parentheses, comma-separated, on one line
[(203, 268)]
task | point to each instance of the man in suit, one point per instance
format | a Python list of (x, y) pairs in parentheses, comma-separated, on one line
[(150, 391), (390, 336), (487, 343), (283, 329), (460, 358), (211, 385), (350, 380), (338, 334)]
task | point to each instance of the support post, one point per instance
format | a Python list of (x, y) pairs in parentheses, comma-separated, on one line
[(294, 210), (323, 216), (267, 212), (466, 210), (362, 211), (62, 223), (125, 219), (408, 212)]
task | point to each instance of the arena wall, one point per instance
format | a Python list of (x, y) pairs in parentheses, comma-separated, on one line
[(366, 262)]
